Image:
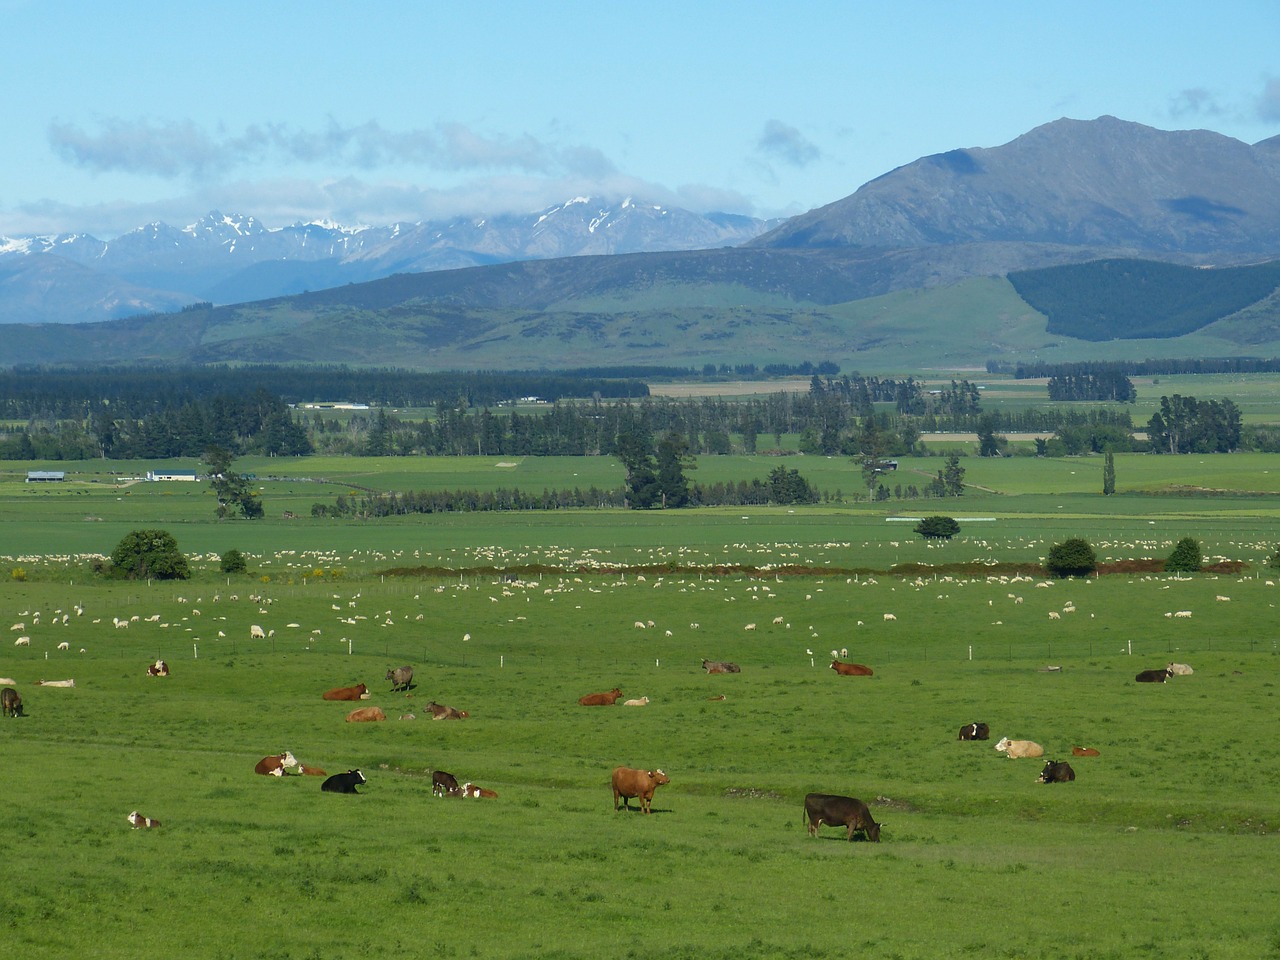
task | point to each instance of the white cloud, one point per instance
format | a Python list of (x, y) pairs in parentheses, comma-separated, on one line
[(787, 144), (1268, 104)]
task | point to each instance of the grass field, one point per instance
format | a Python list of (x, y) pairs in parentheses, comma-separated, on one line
[(976, 859)]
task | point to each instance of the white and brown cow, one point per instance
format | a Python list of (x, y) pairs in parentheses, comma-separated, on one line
[(1016, 749)]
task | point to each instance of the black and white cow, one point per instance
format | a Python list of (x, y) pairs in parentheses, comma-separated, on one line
[(344, 782), (1056, 771)]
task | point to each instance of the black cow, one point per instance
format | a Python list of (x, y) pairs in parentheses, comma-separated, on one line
[(975, 731), (400, 677), (443, 784), (344, 782), (1056, 771), (837, 811), (1154, 676), (11, 702)]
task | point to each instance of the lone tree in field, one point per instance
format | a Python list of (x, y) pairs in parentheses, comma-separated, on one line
[(1108, 474), (233, 490), (149, 555), (232, 562), (1186, 557), (937, 528), (1071, 558)]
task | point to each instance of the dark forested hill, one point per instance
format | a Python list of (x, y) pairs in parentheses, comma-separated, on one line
[(1141, 299)]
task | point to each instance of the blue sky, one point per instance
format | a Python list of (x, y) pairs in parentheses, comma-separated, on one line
[(123, 113)]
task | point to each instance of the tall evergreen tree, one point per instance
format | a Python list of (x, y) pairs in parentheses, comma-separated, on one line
[(1108, 474)]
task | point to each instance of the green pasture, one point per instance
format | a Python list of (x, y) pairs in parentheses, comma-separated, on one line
[(1180, 800), (537, 613)]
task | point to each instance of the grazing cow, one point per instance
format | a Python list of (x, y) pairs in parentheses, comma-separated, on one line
[(641, 702), (471, 790), (1154, 676), (1056, 771), (358, 692), (1179, 670), (11, 702), (140, 822), (257, 633), (601, 699), (628, 783), (278, 765), (440, 712), (837, 811), (720, 666), (401, 678), (1019, 748), (974, 731), (365, 714), (443, 784), (343, 782), (1084, 752), (850, 669), (158, 669)]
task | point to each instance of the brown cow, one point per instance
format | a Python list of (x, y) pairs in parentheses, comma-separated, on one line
[(311, 771), (974, 731), (358, 692), (837, 811), (443, 783), (628, 783), (476, 793), (720, 666), (362, 714), (1084, 752), (12, 702), (140, 822), (601, 699), (278, 765), (850, 669), (440, 712)]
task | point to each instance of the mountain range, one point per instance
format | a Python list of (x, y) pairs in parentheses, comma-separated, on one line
[(221, 258), (912, 268)]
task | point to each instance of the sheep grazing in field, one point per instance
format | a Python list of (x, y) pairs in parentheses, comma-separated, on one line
[(22, 642), (749, 626), (778, 621), (257, 633), (64, 645), (1054, 615), (1221, 599), (18, 627), (1183, 614), (639, 625)]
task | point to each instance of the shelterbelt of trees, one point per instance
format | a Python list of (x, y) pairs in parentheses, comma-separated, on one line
[(845, 415)]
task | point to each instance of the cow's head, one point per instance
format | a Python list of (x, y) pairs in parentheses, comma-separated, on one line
[(1003, 744), (658, 777), (873, 831)]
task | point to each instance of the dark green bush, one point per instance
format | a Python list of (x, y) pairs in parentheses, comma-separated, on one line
[(1071, 558), (232, 562), (937, 528), (1186, 557), (149, 555)]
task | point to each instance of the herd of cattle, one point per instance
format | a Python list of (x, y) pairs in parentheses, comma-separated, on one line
[(832, 810)]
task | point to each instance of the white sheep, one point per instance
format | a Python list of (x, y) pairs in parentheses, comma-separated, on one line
[(1054, 615), (890, 616), (749, 626), (22, 642), (778, 621), (257, 633), (19, 627), (64, 645), (1183, 614), (642, 701)]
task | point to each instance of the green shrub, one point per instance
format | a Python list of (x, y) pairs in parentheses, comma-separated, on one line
[(1186, 557), (1071, 558), (149, 555), (937, 528), (232, 562)]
